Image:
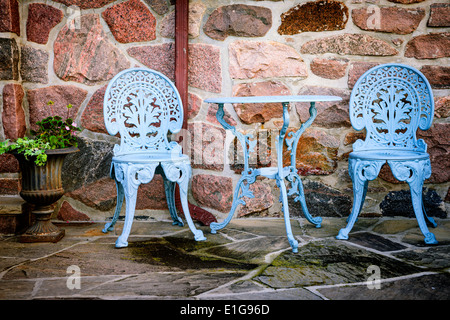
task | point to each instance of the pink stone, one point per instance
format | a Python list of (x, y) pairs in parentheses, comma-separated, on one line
[(437, 139), (83, 4), (329, 68), (212, 112), (9, 16), (68, 213), (130, 21), (439, 15), (356, 70), (152, 195), (262, 201), (194, 105), (207, 146), (13, 115), (438, 76), (84, 54), (442, 107), (331, 114), (212, 191), (60, 95), (264, 59), (205, 67), (391, 19), (429, 46), (92, 118), (41, 20), (159, 57), (316, 153), (196, 11), (349, 44), (259, 112)]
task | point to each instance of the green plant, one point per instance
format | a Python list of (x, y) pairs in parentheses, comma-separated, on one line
[(53, 133)]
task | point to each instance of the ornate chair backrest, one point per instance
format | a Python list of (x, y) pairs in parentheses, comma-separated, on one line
[(391, 101), (143, 106)]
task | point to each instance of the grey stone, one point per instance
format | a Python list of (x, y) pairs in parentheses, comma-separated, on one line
[(97, 153), (238, 20), (9, 59), (374, 241), (328, 262), (34, 65), (428, 287), (435, 258), (322, 201), (252, 251), (398, 203)]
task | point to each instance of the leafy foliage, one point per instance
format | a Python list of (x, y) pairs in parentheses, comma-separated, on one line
[(53, 133)]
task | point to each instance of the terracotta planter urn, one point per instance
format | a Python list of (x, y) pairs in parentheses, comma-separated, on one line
[(42, 187)]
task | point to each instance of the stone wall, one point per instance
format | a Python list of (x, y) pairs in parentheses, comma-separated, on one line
[(67, 50)]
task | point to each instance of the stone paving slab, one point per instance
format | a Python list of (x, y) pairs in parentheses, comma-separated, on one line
[(425, 287), (250, 259)]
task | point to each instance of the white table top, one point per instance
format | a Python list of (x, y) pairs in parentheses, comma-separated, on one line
[(272, 99)]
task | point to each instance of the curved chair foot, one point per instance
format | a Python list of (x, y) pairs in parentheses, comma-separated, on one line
[(342, 235), (120, 243), (198, 236)]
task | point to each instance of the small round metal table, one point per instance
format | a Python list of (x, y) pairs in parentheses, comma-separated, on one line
[(279, 173)]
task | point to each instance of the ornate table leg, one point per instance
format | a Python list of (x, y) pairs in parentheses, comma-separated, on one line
[(281, 176), (293, 177), (248, 175)]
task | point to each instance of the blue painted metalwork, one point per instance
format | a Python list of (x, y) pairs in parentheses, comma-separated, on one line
[(279, 173), (391, 101), (143, 106)]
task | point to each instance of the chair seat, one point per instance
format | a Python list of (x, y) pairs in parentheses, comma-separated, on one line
[(389, 154), (151, 157)]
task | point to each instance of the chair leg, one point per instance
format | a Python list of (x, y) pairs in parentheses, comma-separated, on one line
[(181, 173), (130, 176), (430, 220), (130, 198), (120, 196), (169, 187), (361, 172), (415, 173), (358, 201)]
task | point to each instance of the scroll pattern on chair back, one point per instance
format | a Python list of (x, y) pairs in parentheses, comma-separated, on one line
[(391, 101), (143, 106)]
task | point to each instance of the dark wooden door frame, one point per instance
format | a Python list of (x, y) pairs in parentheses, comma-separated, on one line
[(181, 82), (181, 53)]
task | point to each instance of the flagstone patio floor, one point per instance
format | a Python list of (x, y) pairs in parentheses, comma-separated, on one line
[(250, 259)]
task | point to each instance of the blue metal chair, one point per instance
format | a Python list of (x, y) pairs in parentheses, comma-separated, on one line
[(143, 106), (391, 101)]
